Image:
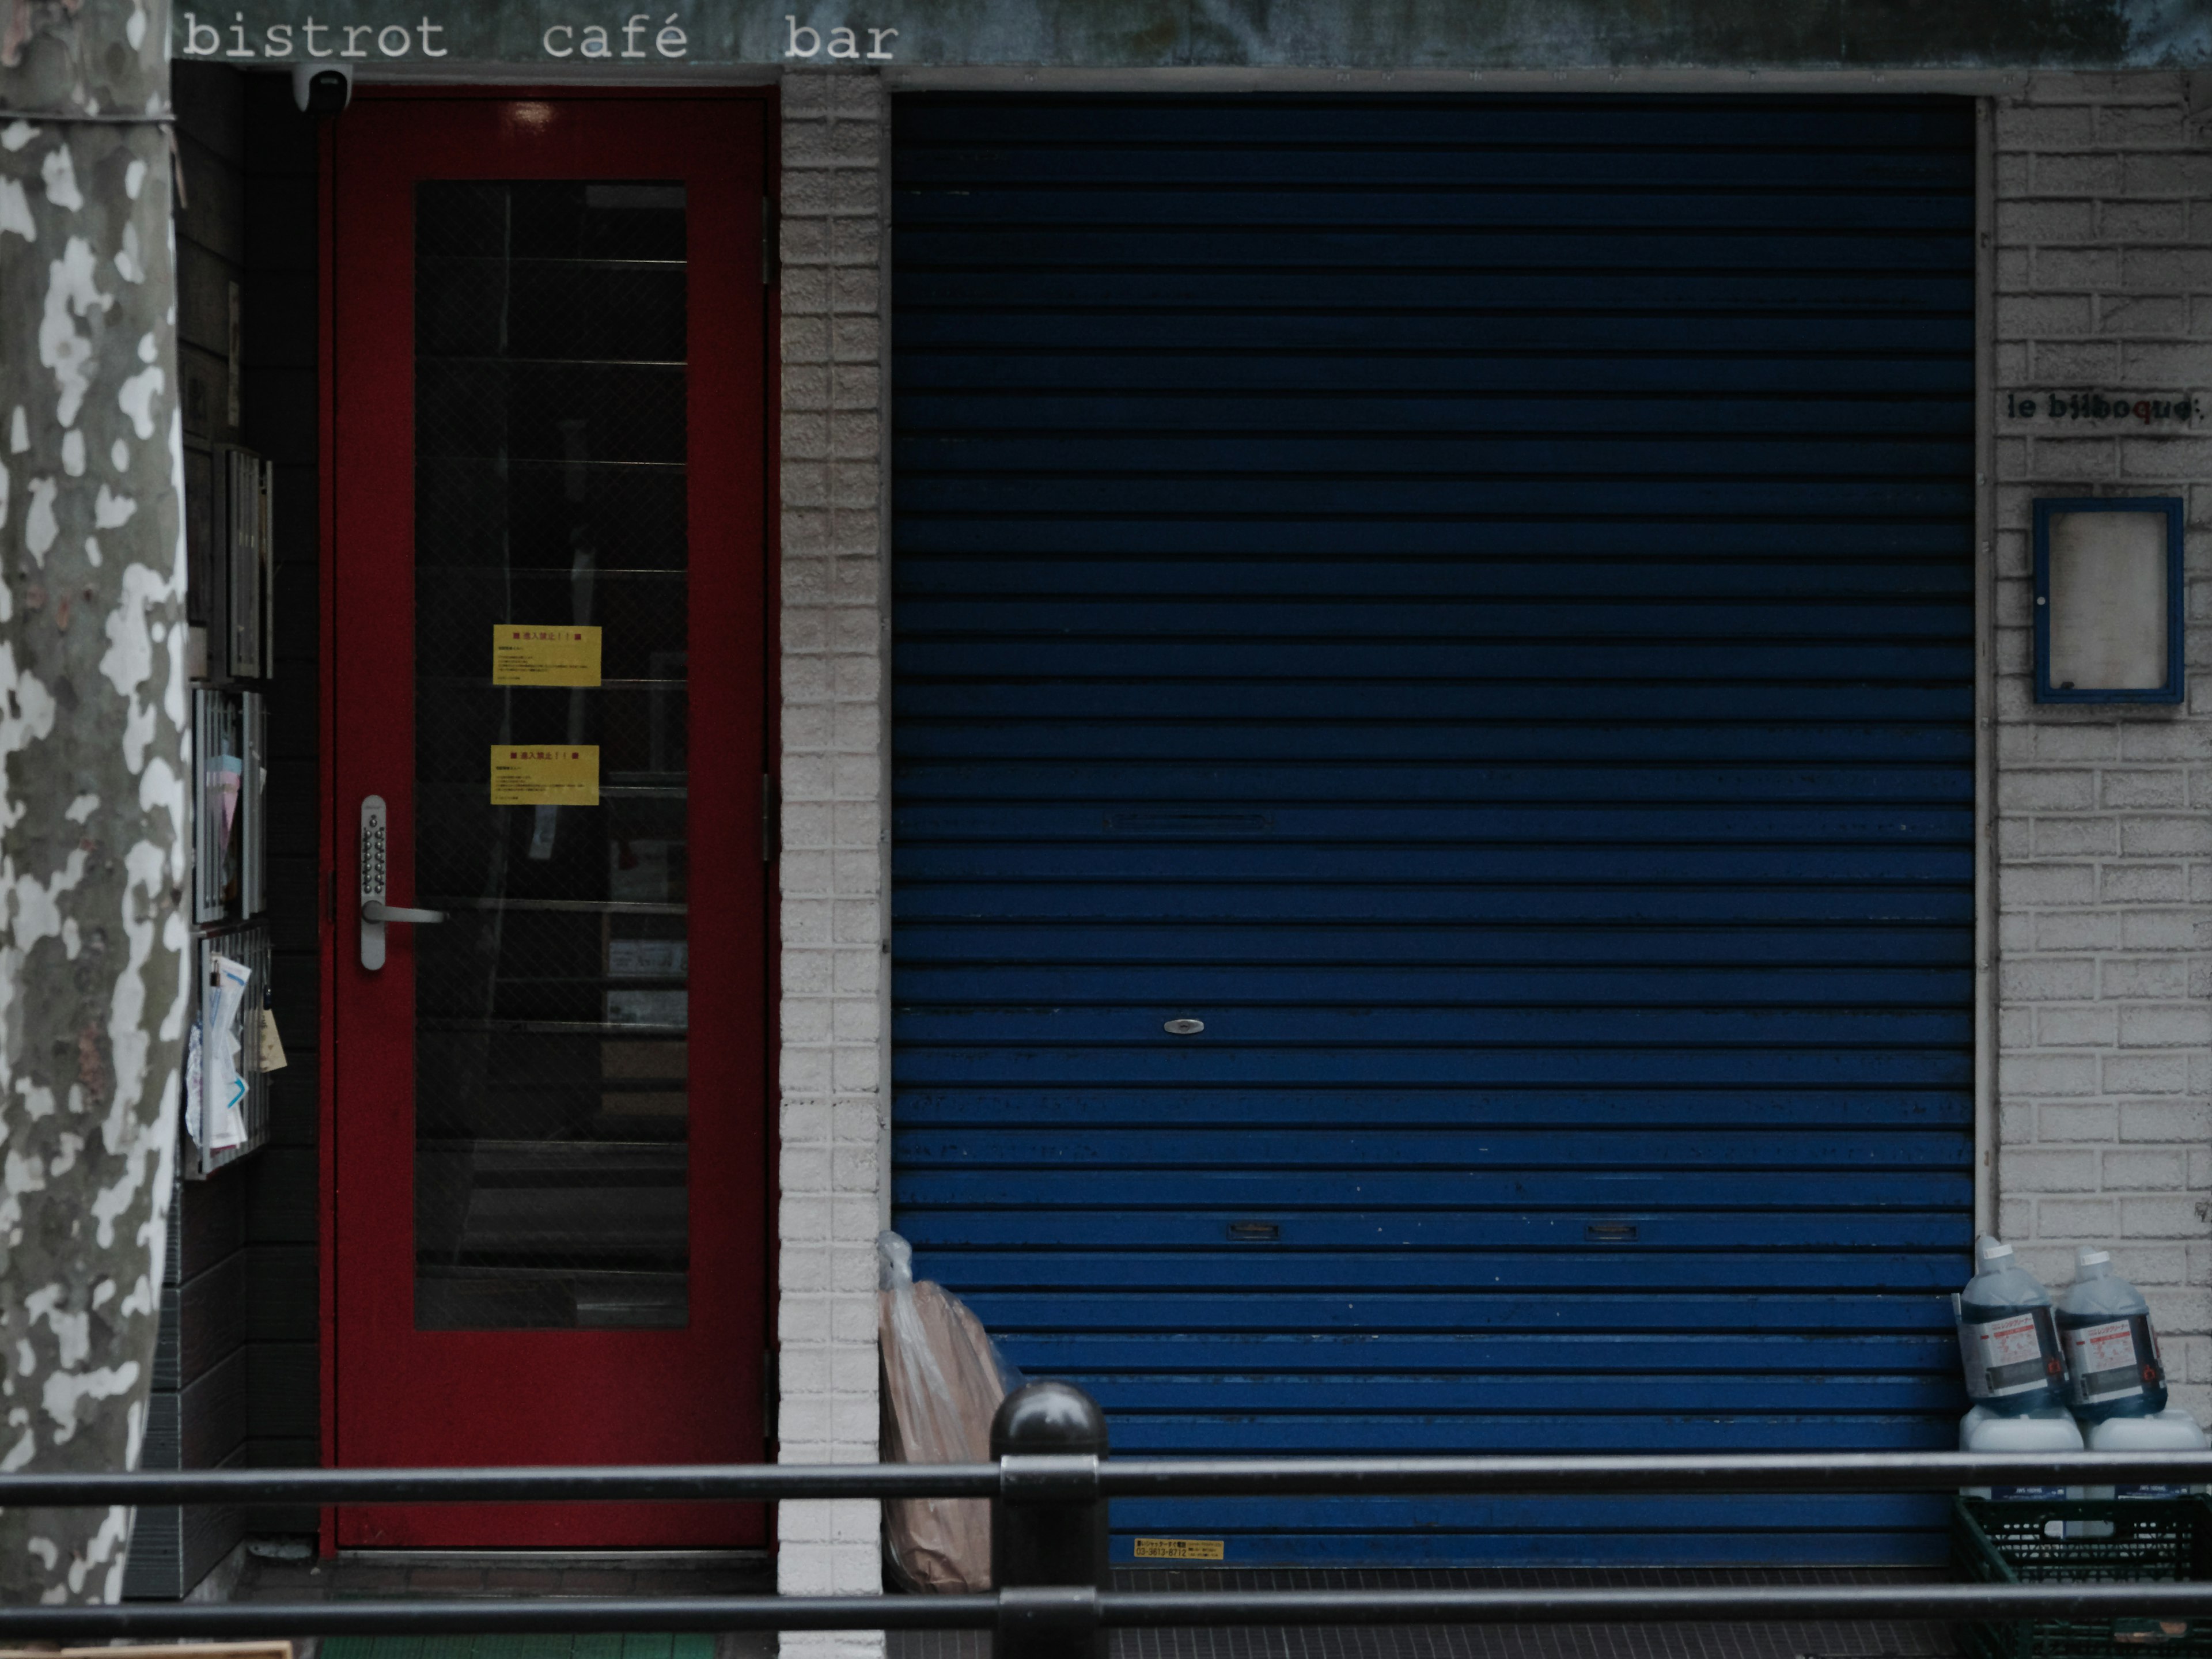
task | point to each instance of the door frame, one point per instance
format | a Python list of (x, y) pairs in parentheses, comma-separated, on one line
[(334, 838)]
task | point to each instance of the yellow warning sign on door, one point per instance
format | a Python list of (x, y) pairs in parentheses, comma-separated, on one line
[(546, 774), (1179, 1549), (554, 655)]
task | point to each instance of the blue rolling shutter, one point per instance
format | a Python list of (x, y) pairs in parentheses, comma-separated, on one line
[(1473, 601)]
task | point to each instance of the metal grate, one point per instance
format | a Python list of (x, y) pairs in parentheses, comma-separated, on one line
[(248, 946)]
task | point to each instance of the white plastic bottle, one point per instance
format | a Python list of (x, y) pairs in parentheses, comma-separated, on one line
[(2007, 1338), (2024, 1434), (2172, 1430), (2112, 1367)]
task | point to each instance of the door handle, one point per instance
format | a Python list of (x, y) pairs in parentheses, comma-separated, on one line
[(377, 910), (374, 912)]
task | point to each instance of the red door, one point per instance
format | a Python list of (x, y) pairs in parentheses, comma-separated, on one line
[(545, 514)]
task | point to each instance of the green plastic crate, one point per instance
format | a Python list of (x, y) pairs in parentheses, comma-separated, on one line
[(2151, 1539)]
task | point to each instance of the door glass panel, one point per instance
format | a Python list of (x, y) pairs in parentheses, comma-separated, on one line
[(551, 1069)]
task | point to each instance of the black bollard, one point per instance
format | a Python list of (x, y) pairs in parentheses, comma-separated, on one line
[(1049, 1523)]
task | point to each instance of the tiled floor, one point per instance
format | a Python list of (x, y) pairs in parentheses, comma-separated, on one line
[(505, 1575), (517, 1647), (365, 1573)]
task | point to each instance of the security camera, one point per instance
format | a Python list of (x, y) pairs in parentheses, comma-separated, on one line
[(322, 89)]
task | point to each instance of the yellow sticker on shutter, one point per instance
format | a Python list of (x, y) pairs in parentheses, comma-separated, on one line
[(1179, 1549), (544, 775), (554, 655)]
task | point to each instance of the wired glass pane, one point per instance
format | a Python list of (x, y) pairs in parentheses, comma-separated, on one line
[(551, 1008)]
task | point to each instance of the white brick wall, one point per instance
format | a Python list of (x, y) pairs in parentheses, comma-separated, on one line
[(833, 1109), (2103, 276)]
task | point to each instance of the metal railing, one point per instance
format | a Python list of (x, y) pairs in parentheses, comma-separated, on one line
[(1087, 1476), (1048, 1489)]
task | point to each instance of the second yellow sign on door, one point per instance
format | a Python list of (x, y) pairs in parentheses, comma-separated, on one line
[(544, 775)]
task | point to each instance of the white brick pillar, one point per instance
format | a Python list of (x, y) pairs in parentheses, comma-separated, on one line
[(2103, 276), (834, 1107)]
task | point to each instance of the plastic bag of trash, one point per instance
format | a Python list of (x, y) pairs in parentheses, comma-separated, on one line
[(942, 1381)]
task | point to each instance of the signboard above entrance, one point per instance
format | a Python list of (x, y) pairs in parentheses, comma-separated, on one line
[(408, 37)]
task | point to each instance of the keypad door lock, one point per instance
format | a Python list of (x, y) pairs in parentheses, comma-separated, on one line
[(374, 912)]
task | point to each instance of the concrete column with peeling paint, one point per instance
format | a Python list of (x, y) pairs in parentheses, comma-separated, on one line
[(94, 738)]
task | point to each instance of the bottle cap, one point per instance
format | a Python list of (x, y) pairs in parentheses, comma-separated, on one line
[(1990, 1248), (2086, 1257)]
